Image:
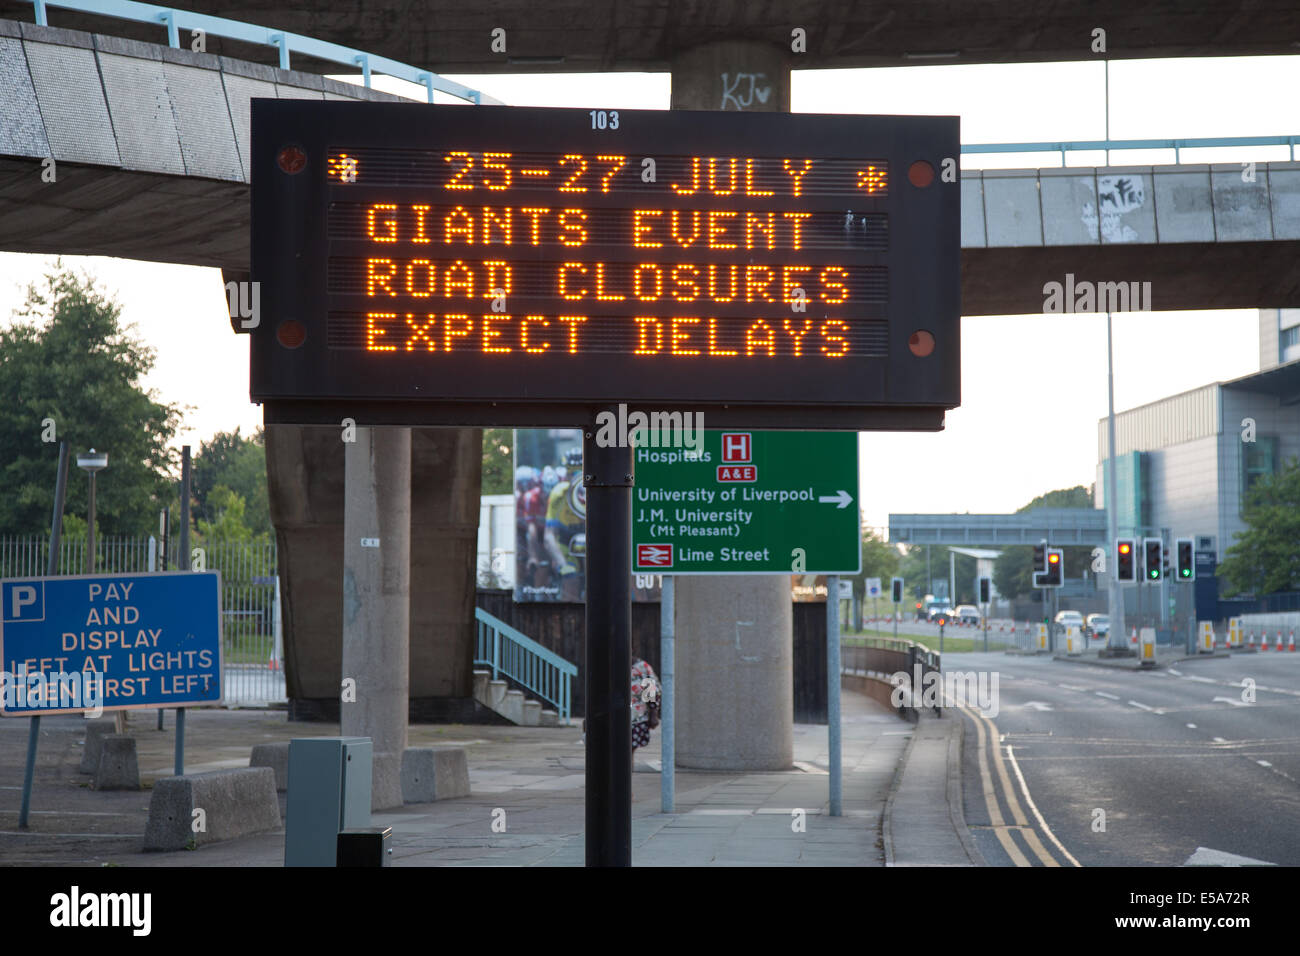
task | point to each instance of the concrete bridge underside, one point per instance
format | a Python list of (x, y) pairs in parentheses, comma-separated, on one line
[(577, 35), (151, 162)]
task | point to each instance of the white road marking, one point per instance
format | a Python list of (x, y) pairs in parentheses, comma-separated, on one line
[(1199, 679), (1263, 763), (1191, 726), (1102, 693), (1204, 856), (1072, 687), (1142, 706), (1175, 673), (1024, 788), (1219, 740), (1234, 701), (1037, 705)]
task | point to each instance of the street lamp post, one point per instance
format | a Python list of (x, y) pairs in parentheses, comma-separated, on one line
[(92, 462)]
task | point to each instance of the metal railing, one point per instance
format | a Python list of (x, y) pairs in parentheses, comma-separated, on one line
[(1100, 145), (176, 20), (534, 668), (883, 657)]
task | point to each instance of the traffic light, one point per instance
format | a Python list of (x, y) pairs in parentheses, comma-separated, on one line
[(984, 590), (1155, 558), (1186, 565), (1125, 565), (1055, 574), (897, 585), (1040, 556)]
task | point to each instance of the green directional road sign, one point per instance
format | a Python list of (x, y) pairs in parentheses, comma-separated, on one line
[(748, 502)]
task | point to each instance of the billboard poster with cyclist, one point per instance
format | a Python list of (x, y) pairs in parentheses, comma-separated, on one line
[(551, 519)]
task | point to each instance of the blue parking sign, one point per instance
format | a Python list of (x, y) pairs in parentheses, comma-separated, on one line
[(110, 642)]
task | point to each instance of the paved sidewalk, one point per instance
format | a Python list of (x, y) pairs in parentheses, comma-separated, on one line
[(924, 823), (532, 774)]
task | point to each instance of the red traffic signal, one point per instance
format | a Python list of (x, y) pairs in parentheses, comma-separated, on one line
[(1125, 560)]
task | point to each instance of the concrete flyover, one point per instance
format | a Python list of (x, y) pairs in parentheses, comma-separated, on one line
[(1205, 236), (1059, 526), (150, 146), (578, 35)]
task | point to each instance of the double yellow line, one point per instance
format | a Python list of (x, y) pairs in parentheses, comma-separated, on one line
[(987, 733)]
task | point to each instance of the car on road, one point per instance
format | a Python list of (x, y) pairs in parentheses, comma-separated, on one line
[(1097, 625), (1066, 619), (939, 611), (967, 614)]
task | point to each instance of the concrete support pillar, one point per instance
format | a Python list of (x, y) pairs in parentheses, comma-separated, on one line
[(305, 468), (735, 672), (377, 600), (735, 634)]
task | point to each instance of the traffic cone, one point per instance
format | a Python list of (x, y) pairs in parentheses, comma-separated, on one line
[(1279, 640), (1134, 638), (273, 664), (1250, 641), (1291, 646)]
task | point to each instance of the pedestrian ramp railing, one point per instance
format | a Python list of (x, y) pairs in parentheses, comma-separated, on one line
[(517, 657), (176, 20), (885, 658)]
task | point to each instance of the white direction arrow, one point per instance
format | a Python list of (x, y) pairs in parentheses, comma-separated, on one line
[(843, 497)]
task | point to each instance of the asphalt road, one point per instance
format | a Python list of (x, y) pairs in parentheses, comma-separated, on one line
[(1171, 761)]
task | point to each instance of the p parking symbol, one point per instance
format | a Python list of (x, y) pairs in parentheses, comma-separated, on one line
[(23, 602)]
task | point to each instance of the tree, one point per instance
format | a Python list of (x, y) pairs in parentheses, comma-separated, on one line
[(238, 464), (70, 370), (498, 477), (1265, 558), (228, 523), (879, 560), (1013, 569)]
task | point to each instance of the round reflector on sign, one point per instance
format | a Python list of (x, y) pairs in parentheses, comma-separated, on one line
[(291, 334), (921, 343), (291, 159)]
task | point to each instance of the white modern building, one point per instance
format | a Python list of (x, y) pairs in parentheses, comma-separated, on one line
[(1184, 463)]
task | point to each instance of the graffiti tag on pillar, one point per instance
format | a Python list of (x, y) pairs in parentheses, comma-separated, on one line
[(750, 92)]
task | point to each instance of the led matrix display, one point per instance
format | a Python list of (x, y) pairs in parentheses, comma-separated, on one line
[(519, 266)]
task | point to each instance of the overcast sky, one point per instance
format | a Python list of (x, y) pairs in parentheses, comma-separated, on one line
[(1006, 444)]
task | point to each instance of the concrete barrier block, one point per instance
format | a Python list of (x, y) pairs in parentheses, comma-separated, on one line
[(71, 98), (434, 773), (972, 210), (1013, 216), (532, 716), (118, 767), (512, 708), (481, 680), (1284, 193), (22, 133), (96, 730), (497, 694), (275, 756), (548, 718), (1183, 206), (234, 803)]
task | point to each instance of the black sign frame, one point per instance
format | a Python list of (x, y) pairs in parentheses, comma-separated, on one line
[(314, 384)]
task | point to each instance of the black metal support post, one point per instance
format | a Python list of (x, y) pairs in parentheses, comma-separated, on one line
[(608, 481), (51, 569)]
